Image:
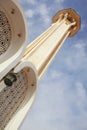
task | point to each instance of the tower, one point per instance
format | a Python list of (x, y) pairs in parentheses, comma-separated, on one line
[(18, 88), (66, 23)]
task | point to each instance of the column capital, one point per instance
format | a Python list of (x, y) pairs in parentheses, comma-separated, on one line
[(70, 17)]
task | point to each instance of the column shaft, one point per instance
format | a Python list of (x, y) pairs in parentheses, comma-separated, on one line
[(43, 49)]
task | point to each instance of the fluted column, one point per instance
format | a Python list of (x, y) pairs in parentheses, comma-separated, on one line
[(42, 50)]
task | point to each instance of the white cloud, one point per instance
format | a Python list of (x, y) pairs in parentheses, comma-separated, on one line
[(40, 9), (33, 2), (52, 75), (76, 56), (59, 1), (83, 25), (43, 10), (81, 94), (55, 75), (29, 13)]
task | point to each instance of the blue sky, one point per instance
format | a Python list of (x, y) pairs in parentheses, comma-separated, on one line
[(61, 100)]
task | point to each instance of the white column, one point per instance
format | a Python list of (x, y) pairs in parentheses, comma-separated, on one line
[(42, 51)]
